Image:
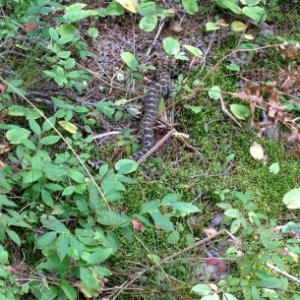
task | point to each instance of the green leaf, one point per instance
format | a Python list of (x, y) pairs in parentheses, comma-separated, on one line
[(201, 289), (292, 199), (130, 60), (88, 277), (170, 198), (255, 13), (171, 45), (93, 32), (76, 176), (190, 6), (69, 290), (34, 126), (240, 111), (106, 217), (227, 296), (185, 207), (238, 26), (232, 6), (235, 226), (148, 23), (53, 34), (50, 140), (46, 239), (75, 13), (62, 245), (274, 168), (215, 92), (17, 135), (126, 166), (32, 176), (214, 296), (173, 238), (194, 50), (233, 67), (64, 54), (98, 256), (69, 190), (211, 26), (56, 226), (4, 201), (47, 198), (161, 221), (232, 213), (14, 236)]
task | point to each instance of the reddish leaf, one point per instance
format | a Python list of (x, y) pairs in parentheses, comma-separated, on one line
[(137, 225)]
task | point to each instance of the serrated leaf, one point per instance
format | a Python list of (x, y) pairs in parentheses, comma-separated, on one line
[(235, 226), (161, 221), (110, 218), (76, 176), (56, 226), (240, 111)]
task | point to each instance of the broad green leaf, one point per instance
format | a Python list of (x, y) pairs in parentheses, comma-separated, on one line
[(170, 198), (76, 176), (161, 221), (201, 289), (232, 6), (4, 201), (227, 296), (150, 205), (274, 168), (171, 45), (233, 67), (32, 176), (232, 213), (97, 256), (185, 207), (126, 166), (130, 60), (50, 140), (173, 237), (235, 226), (240, 111), (14, 236), (255, 13), (56, 226), (238, 26), (46, 239), (114, 9), (89, 277), (106, 217), (292, 199), (215, 92), (194, 50), (17, 135), (64, 54), (53, 34), (47, 198), (93, 32), (62, 245), (35, 127), (75, 12), (190, 6), (69, 290), (148, 23), (69, 190)]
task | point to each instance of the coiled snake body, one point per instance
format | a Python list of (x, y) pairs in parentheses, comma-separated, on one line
[(161, 88)]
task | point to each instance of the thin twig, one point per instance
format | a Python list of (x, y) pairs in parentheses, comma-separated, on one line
[(161, 26), (227, 113), (105, 134), (281, 272)]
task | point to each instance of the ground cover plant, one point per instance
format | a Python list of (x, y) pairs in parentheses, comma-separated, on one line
[(211, 211)]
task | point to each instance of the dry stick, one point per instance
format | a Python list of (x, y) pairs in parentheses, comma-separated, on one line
[(102, 135), (281, 272), (156, 146), (227, 113), (167, 259), (62, 137), (161, 26)]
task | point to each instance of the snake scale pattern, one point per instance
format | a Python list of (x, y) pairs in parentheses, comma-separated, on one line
[(161, 88)]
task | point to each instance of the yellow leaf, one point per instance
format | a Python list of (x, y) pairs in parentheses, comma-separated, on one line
[(238, 26), (131, 5), (249, 36), (68, 126), (257, 151)]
